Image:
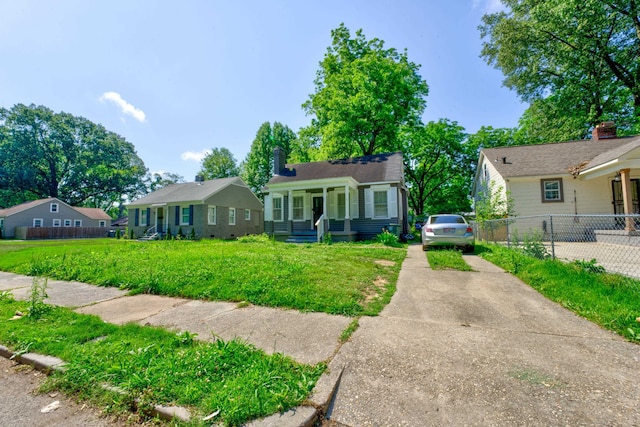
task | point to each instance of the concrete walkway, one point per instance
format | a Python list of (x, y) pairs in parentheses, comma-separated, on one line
[(482, 348), (452, 348)]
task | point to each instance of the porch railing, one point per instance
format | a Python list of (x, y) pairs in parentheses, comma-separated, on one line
[(320, 228)]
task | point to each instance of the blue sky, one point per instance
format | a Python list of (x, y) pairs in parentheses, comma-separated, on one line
[(179, 78)]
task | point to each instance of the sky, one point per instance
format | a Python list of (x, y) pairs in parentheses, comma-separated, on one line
[(178, 78)]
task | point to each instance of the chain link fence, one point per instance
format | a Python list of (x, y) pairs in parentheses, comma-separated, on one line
[(613, 241)]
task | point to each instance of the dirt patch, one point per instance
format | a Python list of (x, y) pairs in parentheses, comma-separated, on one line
[(378, 288), (385, 263)]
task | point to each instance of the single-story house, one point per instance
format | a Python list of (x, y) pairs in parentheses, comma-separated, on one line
[(222, 208), (352, 199), (54, 215), (596, 176)]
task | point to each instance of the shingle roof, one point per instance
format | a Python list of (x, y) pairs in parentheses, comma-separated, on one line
[(386, 167), (187, 192), (93, 213), (23, 207), (557, 158)]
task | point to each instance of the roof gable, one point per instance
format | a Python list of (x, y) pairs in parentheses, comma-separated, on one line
[(387, 167), (188, 192), (558, 158)]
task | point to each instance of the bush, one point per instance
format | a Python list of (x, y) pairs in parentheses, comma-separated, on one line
[(255, 238), (590, 266), (388, 239)]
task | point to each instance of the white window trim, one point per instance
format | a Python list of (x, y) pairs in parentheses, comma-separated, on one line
[(247, 214), (102, 223), (232, 216), (67, 223), (182, 221), (38, 220), (143, 217), (273, 199), (57, 222), (215, 214), (392, 201), (305, 207), (57, 205), (77, 223)]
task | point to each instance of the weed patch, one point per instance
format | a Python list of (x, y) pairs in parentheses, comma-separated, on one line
[(447, 260)]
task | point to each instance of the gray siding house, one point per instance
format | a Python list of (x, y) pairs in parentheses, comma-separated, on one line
[(221, 208), (353, 199), (50, 213)]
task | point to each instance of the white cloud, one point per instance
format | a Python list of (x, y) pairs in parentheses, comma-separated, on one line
[(124, 106), (194, 155), (488, 6)]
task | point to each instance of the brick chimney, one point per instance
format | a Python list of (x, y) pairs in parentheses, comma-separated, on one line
[(605, 130), (279, 160)]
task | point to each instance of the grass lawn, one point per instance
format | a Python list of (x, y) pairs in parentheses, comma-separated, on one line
[(347, 279), (447, 259), (156, 366), (610, 300)]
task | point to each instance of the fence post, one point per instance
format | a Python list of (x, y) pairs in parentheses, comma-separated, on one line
[(553, 247)]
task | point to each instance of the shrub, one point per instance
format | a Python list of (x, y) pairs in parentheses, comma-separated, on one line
[(387, 239), (590, 266), (255, 238)]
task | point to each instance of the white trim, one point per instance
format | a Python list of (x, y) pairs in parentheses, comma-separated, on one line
[(215, 214), (57, 205), (77, 223), (275, 197), (102, 223), (232, 216), (182, 208), (57, 222), (38, 222), (247, 214), (67, 223)]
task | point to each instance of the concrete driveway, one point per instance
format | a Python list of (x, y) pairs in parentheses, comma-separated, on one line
[(482, 348)]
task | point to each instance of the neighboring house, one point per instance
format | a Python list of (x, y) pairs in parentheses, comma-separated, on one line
[(52, 214), (221, 208), (353, 199), (597, 176)]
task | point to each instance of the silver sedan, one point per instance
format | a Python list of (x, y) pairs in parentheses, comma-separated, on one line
[(447, 230)]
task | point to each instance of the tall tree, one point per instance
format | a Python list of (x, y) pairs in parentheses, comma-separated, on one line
[(257, 168), (576, 58), (364, 94), (433, 159), (47, 154), (219, 163)]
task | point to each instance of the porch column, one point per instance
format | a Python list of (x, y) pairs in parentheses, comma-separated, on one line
[(325, 208), (627, 199), (290, 211), (347, 214)]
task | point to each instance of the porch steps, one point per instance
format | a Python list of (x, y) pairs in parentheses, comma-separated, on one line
[(302, 237), (147, 237)]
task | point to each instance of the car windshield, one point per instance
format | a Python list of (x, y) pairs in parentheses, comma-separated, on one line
[(447, 219)]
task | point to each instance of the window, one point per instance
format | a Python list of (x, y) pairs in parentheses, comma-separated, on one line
[(211, 215), (67, 223), (37, 222), (77, 223), (53, 207), (298, 208), (341, 206), (102, 223), (232, 216), (552, 190), (277, 208), (247, 214), (379, 204), (143, 217), (57, 222), (185, 213)]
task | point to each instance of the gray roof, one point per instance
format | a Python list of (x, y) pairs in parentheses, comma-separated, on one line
[(91, 213), (188, 192), (386, 167), (558, 158)]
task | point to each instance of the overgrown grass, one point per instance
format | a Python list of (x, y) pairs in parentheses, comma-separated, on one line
[(336, 279), (157, 366), (610, 300), (447, 259)]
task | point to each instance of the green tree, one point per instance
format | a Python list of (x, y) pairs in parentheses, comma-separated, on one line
[(575, 60), (47, 154), (257, 169), (219, 163), (364, 94), (432, 156)]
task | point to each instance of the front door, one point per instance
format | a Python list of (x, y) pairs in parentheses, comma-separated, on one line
[(160, 221), (618, 202), (317, 207)]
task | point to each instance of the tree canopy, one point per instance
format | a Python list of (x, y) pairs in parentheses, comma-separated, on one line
[(364, 93), (47, 154), (576, 61), (257, 169), (219, 163)]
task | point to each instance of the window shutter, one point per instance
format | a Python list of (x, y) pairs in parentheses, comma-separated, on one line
[(368, 203), (354, 207), (392, 202), (268, 211), (177, 215), (148, 216), (136, 215), (307, 206), (190, 214)]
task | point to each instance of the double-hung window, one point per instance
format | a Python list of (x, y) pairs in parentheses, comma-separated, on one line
[(37, 222), (184, 215), (232, 216), (380, 204), (298, 208), (57, 222), (211, 215), (247, 214), (53, 208), (67, 223), (277, 208), (143, 217), (77, 223), (552, 190)]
